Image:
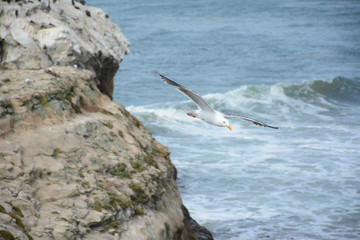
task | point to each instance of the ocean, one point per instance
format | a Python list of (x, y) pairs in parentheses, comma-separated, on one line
[(292, 64)]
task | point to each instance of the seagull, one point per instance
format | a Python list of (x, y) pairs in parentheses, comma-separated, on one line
[(28, 82), (50, 71), (207, 113)]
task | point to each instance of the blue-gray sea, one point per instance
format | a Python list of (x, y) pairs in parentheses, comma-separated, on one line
[(293, 64)]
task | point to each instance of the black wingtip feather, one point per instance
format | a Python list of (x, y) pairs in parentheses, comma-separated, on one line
[(168, 81)]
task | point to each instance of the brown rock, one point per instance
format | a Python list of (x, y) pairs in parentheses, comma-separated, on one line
[(66, 171)]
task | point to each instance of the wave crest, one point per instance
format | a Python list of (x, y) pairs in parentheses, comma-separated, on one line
[(318, 93), (273, 104)]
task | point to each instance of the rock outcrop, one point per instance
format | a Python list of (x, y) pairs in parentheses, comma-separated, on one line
[(38, 35), (73, 163)]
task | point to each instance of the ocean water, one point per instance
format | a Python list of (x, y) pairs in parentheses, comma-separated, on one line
[(292, 64)]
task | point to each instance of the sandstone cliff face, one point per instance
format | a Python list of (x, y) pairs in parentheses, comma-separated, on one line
[(74, 164), (37, 34)]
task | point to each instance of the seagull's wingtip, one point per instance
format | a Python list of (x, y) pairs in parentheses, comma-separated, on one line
[(163, 77)]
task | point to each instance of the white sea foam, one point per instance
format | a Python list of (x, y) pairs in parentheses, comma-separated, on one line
[(256, 174)]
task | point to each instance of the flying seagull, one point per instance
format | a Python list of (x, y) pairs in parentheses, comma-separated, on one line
[(207, 113)]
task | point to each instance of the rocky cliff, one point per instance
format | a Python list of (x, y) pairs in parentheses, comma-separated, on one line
[(73, 163)]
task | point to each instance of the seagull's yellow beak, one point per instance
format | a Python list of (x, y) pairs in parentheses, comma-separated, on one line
[(228, 126)]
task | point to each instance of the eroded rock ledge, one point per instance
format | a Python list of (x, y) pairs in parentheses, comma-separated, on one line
[(76, 165), (38, 34)]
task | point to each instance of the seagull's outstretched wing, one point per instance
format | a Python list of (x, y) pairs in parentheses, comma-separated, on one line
[(256, 122), (190, 94)]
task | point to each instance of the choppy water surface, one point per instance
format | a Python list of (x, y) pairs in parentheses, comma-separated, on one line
[(292, 64)]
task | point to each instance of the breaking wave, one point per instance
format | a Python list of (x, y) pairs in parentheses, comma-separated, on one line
[(279, 102)]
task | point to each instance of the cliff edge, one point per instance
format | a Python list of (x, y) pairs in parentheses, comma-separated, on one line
[(73, 163)]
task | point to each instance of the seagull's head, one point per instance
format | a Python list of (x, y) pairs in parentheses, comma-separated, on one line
[(223, 122), (227, 124)]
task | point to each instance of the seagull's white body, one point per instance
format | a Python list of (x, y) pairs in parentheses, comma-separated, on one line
[(207, 113), (215, 117)]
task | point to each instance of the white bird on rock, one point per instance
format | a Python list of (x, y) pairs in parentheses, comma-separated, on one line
[(28, 82), (207, 113)]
